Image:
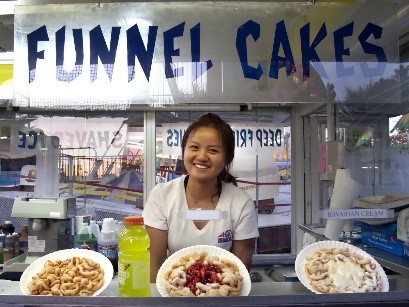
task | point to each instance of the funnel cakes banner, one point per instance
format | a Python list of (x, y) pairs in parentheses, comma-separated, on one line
[(115, 54)]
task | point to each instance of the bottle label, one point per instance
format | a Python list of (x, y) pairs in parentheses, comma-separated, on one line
[(134, 274), (109, 251), (85, 245)]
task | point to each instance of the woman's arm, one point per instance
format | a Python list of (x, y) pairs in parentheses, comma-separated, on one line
[(244, 250), (158, 249)]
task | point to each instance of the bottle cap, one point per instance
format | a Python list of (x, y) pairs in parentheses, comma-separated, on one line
[(108, 225), (133, 220)]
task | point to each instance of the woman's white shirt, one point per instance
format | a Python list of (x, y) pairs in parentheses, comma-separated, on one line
[(166, 210)]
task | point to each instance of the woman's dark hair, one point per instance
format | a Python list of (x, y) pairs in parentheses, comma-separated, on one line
[(227, 138)]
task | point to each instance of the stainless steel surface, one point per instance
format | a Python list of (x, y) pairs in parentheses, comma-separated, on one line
[(351, 237), (57, 235), (268, 260), (312, 232), (262, 294), (283, 274)]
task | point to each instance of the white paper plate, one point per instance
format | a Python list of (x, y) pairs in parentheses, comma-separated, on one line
[(212, 251), (64, 254), (300, 262)]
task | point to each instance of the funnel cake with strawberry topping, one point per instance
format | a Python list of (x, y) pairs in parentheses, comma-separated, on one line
[(199, 274)]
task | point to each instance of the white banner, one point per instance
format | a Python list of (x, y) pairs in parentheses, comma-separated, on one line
[(109, 55)]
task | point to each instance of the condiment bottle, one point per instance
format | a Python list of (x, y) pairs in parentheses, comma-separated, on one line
[(3, 238), (8, 253), (107, 242), (16, 246), (23, 240), (8, 228), (9, 242), (1, 253)]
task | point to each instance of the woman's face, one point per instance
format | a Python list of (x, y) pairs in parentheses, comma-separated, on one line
[(204, 156)]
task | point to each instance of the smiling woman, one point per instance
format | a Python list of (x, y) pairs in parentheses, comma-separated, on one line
[(208, 188)]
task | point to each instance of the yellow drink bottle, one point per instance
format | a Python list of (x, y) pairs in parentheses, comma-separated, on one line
[(134, 258)]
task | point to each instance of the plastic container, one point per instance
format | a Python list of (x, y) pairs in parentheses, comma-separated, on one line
[(84, 213), (47, 171), (119, 227), (94, 228), (85, 239), (134, 259), (107, 242)]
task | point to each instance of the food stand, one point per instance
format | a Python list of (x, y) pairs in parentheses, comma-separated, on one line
[(296, 54)]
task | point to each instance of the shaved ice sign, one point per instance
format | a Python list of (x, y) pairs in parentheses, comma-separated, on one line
[(105, 136)]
